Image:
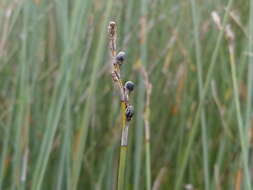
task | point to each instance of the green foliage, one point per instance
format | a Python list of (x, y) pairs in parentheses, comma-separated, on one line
[(59, 112)]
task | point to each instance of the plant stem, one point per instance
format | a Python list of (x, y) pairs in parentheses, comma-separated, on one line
[(148, 164), (123, 148), (250, 68), (200, 87), (140, 98), (250, 80), (243, 136), (148, 86)]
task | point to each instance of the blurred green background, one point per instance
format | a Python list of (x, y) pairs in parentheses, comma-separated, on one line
[(59, 110)]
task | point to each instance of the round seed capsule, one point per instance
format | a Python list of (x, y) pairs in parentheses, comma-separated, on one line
[(129, 85), (129, 112), (120, 57)]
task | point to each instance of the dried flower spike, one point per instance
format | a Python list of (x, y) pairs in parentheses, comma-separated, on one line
[(216, 19), (112, 36), (112, 28)]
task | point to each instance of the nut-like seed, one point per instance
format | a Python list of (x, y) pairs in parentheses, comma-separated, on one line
[(120, 57), (129, 85)]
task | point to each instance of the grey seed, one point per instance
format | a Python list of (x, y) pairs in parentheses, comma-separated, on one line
[(129, 85), (120, 57)]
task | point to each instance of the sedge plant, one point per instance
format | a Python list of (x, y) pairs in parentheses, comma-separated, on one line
[(127, 109)]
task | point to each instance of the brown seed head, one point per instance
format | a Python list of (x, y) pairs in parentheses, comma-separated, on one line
[(112, 28)]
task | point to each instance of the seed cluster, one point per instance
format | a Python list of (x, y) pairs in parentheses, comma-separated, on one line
[(118, 61), (127, 89)]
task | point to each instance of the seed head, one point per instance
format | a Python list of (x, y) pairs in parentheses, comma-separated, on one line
[(120, 57), (129, 112), (129, 85), (112, 29)]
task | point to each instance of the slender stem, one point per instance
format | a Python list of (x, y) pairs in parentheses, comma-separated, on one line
[(147, 150), (200, 87), (250, 69), (140, 98), (243, 136), (249, 79), (123, 148), (148, 87)]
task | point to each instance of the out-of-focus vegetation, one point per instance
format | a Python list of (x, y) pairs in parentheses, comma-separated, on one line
[(59, 112)]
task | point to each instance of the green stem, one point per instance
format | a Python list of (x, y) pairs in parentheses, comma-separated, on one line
[(140, 98), (123, 149), (250, 81), (243, 136), (148, 168), (122, 167), (250, 69), (147, 141), (200, 87)]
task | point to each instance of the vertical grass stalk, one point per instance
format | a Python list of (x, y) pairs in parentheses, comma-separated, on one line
[(140, 97), (126, 108), (242, 134), (148, 86), (195, 17), (250, 77), (250, 68), (123, 149)]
